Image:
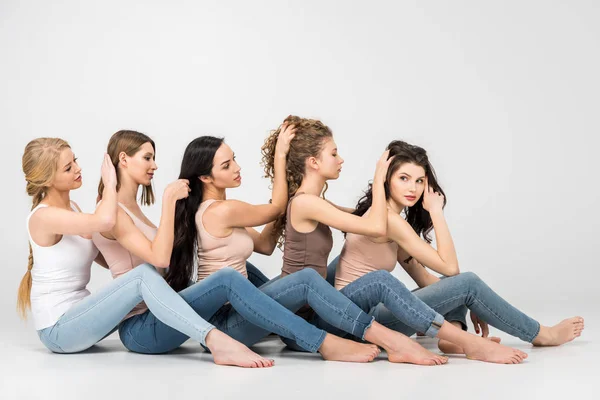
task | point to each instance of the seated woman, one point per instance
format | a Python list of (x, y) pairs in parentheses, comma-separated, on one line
[(415, 203)]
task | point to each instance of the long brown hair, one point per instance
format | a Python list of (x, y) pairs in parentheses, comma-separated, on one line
[(39, 163), (416, 216), (128, 142), (308, 142)]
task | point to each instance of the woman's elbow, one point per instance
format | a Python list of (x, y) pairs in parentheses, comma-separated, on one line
[(453, 270), (378, 230), (161, 263), (106, 224)]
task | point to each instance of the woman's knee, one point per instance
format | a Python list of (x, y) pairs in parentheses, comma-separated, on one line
[(308, 275), (469, 278)]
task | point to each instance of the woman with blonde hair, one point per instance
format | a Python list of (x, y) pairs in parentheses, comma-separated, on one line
[(67, 317), (313, 159)]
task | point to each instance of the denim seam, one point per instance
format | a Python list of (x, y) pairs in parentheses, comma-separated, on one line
[(52, 341), (61, 323), (290, 333), (202, 333), (306, 286), (130, 336), (522, 332), (256, 314), (391, 292)]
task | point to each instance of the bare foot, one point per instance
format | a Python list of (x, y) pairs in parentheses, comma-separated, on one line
[(560, 333), (405, 350), (228, 351), (486, 350), (451, 348), (335, 348)]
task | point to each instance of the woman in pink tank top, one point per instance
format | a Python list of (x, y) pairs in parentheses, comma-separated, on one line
[(313, 160), (416, 202)]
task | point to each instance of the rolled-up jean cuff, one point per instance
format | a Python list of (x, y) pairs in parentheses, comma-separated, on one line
[(204, 333), (436, 325), (364, 332), (355, 320), (315, 347), (531, 338)]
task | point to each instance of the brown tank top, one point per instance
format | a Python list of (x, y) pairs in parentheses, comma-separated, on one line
[(303, 250)]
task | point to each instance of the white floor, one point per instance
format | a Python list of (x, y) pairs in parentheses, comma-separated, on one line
[(108, 372)]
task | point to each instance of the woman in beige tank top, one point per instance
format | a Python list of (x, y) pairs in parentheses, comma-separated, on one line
[(313, 160), (413, 191)]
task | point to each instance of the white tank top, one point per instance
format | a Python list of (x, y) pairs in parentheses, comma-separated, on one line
[(59, 275)]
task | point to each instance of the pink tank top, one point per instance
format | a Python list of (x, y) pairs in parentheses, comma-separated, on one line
[(215, 253), (119, 259), (361, 255)]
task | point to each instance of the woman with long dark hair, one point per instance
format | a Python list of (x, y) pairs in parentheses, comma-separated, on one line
[(415, 202)]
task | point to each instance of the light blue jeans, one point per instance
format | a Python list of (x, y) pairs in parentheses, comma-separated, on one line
[(96, 316), (449, 297), (251, 314)]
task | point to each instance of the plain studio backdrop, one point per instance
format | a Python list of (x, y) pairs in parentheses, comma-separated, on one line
[(503, 95)]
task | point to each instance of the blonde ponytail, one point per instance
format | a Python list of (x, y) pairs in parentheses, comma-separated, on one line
[(40, 163)]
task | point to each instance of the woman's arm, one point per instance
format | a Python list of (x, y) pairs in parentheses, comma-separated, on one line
[(225, 215), (58, 221), (264, 241), (158, 251), (313, 208), (443, 260), (342, 208), (415, 269)]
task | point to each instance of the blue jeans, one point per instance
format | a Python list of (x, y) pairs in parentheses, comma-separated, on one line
[(459, 314), (251, 313), (96, 316), (450, 294), (373, 289)]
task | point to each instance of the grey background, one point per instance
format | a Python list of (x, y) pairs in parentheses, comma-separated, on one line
[(503, 95)]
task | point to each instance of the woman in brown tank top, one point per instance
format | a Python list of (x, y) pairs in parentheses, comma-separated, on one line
[(313, 160), (413, 190)]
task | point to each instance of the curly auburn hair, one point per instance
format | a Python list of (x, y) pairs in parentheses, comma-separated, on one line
[(308, 142)]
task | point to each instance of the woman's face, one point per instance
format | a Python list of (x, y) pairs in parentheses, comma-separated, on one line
[(407, 184), (225, 171), (68, 175), (141, 166), (329, 161)]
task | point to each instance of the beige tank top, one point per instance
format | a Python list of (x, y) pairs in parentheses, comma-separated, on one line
[(119, 259), (362, 255), (215, 253)]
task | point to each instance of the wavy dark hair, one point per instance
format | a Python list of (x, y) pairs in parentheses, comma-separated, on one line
[(197, 161), (416, 216)]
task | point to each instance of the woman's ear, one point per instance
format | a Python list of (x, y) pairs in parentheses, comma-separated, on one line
[(123, 159)]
